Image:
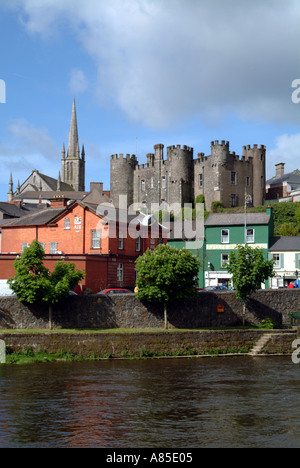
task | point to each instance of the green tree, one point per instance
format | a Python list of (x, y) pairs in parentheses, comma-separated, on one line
[(167, 274), (249, 270), (33, 282)]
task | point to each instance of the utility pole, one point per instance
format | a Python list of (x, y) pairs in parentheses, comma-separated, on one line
[(248, 199)]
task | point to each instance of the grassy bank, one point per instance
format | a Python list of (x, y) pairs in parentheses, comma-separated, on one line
[(27, 356)]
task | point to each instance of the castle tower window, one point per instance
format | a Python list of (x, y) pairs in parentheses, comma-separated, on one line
[(163, 182), (233, 200), (200, 180), (247, 181), (233, 178), (152, 182), (142, 185)]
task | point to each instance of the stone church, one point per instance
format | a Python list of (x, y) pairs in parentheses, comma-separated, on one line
[(39, 188)]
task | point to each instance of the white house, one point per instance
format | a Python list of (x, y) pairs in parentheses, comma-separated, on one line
[(286, 252)]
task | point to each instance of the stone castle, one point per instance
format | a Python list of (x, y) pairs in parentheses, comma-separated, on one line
[(221, 177)]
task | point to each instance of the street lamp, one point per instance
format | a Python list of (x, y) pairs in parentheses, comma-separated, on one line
[(248, 200)]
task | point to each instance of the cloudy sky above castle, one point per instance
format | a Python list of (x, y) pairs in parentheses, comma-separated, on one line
[(145, 72)]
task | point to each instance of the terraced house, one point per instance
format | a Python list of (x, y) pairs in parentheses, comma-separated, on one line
[(105, 245), (223, 231)]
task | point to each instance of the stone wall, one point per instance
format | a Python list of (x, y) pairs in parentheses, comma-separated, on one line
[(122, 311), (118, 345)]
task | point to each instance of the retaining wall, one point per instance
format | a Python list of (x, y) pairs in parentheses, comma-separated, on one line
[(118, 345), (210, 309)]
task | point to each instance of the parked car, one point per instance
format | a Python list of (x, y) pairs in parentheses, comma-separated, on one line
[(216, 288), (114, 291), (72, 293)]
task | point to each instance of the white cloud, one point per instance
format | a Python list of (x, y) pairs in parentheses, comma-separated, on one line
[(78, 81), (26, 148), (287, 150), (160, 61)]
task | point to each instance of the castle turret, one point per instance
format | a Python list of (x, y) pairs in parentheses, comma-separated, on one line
[(257, 155), (219, 152), (121, 177)]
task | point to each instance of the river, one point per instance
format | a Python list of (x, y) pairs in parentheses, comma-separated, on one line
[(166, 403)]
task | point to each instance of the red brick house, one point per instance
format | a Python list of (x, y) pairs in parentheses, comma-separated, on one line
[(103, 241)]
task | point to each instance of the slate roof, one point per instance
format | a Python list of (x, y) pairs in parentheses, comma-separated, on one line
[(285, 244), (14, 211), (292, 177), (39, 218), (71, 195), (236, 219)]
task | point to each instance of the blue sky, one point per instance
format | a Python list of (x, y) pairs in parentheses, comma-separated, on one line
[(145, 72)]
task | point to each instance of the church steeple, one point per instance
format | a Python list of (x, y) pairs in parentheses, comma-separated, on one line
[(73, 135), (10, 189), (72, 165)]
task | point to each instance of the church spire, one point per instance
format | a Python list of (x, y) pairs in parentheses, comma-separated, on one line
[(73, 135), (10, 189)]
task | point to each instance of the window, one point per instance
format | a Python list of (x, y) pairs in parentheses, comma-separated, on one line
[(297, 260), (233, 200), (249, 236), (121, 241), (233, 178), (247, 181), (24, 245), (96, 239), (278, 260), (120, 272), (138, 243), (163, 182), (152, 183), (67, 223), (43, 245), (224, 236), (53, 247), (143, 185), (200, 180), (224, 260)]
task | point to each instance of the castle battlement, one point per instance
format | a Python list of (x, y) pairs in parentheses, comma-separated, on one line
[(222, 143), (127, 157), (248, 147), (179, 147)]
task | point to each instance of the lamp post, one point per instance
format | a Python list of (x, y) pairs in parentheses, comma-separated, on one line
[(248, 199)]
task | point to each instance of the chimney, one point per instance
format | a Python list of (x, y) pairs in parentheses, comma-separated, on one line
[(279, 170), (59, 201)]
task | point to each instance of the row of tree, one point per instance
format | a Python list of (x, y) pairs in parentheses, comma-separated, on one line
[(164, 275)]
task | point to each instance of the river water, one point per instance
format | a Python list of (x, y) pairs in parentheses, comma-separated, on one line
[(165, 403)]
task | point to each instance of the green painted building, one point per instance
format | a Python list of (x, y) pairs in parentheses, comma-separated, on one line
[(223, 231)]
